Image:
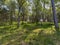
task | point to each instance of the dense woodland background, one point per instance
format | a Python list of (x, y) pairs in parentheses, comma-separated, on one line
[(29, 22)]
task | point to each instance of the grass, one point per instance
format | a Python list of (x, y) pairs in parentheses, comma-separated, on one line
[(29, 34)]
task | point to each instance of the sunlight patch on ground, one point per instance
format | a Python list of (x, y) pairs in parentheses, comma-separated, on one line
[(0, 37), (37, 30), (5, 35), (5, 43), (1, 27), (30, 37), (49, 31)]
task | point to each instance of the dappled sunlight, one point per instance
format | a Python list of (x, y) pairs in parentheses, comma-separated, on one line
[(46, 31), (49, 31), (29, 33), (36, 30), (29, 22)]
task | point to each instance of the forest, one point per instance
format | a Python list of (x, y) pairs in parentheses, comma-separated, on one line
[(29, 22)]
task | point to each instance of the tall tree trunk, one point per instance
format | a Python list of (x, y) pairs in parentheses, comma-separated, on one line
[(44, 12), (54, 16), (23, 15), (18, 18), (22, 18), (11, 18)]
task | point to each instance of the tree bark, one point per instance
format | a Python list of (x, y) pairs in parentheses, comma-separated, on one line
[(11, 18), (18, 18), (44, 12), (54, 16)]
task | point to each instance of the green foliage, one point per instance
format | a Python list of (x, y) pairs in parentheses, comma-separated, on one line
[(31, 34), (27, 14)]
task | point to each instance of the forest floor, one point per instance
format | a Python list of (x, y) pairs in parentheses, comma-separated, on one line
[(29, 34)]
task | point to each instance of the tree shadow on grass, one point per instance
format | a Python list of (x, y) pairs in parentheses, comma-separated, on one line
[(41, 37), (36, 26), (6, 29)]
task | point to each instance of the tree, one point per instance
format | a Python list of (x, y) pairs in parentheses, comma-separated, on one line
[(3, 11), (36, 10), (12, 10), (22, 7), (11, 7), (54, 16)]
